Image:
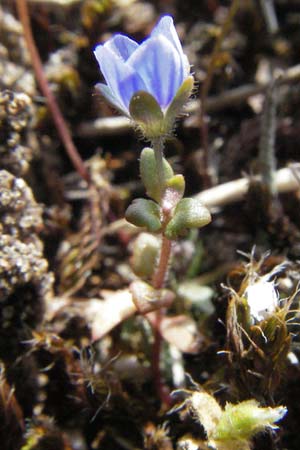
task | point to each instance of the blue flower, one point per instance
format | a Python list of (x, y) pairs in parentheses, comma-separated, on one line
[(157, 66)]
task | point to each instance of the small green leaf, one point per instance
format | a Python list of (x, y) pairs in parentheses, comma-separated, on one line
[(189, 213), (149, 173), (144, 254), (144, 213)]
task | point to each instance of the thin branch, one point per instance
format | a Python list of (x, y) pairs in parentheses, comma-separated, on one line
[(267, 159), (234, 191), (57, 116), (268, 10)]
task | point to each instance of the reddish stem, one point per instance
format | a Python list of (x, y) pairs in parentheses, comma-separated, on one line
[(58, 119), (158, 283), (162, 268), (57, 116)]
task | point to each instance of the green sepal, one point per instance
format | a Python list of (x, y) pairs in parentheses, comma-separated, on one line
[(189, 213), (178, 102), (149, 174), (147, 114), (144, 213)]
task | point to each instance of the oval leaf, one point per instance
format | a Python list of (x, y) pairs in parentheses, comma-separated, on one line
[(189, 213), (149, 175), (144, 213)]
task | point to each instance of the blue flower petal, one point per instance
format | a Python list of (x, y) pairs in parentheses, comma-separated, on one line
[(165, 27), (122, 46), (108, 94), (160, 66), (120, 77)]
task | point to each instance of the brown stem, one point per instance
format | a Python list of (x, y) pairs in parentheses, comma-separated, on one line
[(57, 116), (58, 119)]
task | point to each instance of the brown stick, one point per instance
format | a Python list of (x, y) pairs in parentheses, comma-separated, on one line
[(57, 116)]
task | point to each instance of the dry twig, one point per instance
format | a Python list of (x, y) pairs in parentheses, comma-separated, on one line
[(57, 116)]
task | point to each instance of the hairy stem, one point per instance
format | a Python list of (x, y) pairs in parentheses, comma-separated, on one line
[(162, 267), (57, 116), (158, 147)]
